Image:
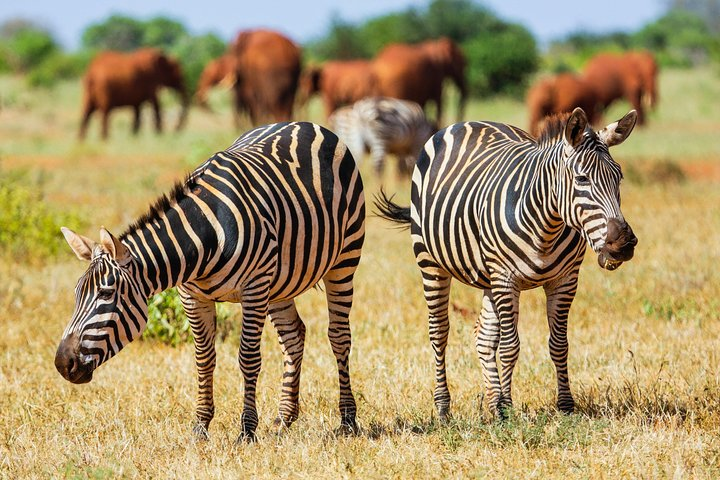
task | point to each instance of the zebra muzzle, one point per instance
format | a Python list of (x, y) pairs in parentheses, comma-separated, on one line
[(73, 366)]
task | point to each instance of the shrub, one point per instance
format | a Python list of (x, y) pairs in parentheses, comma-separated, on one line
[(168, 324), (27, 47), (501, 61), (59, 66), (29, 227), (194, 53)]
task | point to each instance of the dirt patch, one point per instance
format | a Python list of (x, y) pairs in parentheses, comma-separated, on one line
[(707, 171)]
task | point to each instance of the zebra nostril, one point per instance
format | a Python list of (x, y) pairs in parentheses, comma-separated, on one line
[(71, 365)]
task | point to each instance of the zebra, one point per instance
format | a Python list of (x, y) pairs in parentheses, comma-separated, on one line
[(257, 224), (385, 125), (496, 209)]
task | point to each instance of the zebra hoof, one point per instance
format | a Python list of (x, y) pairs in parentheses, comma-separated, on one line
[(347, 429), (200, 433), (282, 424), (567, 406), (444, 416), (246, 438)]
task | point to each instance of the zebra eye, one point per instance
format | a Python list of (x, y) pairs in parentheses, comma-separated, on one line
[(582, 180), (105, 293)]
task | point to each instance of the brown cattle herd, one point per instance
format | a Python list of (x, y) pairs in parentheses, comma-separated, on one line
[(264, 70)]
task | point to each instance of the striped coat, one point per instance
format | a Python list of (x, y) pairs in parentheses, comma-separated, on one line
[(497, 209), (384, 125), (259, 223)]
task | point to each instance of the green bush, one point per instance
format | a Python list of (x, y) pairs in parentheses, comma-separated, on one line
[(501, 61), (30, 227), (501, 56), (59, 66), (168, 324), (27, 47), (194, 53)]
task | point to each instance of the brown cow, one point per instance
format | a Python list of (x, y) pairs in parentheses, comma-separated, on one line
[(416, 72), (339, 83), (116, 79), (559, 94), (267, 71), (613, 76)]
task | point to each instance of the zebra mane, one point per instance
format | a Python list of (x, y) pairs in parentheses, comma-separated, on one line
[(554, 127), (163, 204)]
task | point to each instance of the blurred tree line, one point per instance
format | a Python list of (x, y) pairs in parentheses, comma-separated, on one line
[(502, 56), (29, 48), (683, 38)]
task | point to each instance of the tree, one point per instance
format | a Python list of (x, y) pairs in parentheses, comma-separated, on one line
[(680, 38), (163, 32), (25, 44), (118, 32)]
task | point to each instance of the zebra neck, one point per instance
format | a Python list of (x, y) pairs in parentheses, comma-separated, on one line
[(539, 203), (164, 255)]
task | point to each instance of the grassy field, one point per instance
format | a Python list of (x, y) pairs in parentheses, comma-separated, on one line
[(644, 341)]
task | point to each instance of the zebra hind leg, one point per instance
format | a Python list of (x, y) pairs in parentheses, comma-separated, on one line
[(487, 337), (506, 298), (254, 312), (436, 287), (291, 331), (201, 316), (338, 284)]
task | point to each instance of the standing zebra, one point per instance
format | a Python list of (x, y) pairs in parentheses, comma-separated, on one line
[(503, 212), (258, 224), (384, 125)]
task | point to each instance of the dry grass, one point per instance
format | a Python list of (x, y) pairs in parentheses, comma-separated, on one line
[(644, 340)]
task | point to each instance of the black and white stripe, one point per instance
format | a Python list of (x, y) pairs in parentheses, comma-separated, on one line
[(383, 125), (259, 223), (501, 211)]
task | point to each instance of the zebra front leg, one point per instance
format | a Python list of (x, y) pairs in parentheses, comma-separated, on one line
[(506, 299), (559, 299), (487, 331), (201, 315), (291, 331), (338, 284), (254, 312), (436, 287)]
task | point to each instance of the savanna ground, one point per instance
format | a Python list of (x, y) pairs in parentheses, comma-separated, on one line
[(644, 340)]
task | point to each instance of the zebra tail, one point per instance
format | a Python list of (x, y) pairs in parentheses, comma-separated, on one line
[(389, 210)]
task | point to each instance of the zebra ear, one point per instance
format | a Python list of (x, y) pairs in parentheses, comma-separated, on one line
[(574, 130), (81, 246), (616, 133), (115, 247)]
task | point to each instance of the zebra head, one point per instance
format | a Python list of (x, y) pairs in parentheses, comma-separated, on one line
[(589, 189), (110, 306)]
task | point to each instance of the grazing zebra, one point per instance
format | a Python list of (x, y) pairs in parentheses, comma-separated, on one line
[(503, 212), (258, 224), (384, 125)]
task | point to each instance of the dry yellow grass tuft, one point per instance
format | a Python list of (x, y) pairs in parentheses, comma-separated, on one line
[(644, 351)]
